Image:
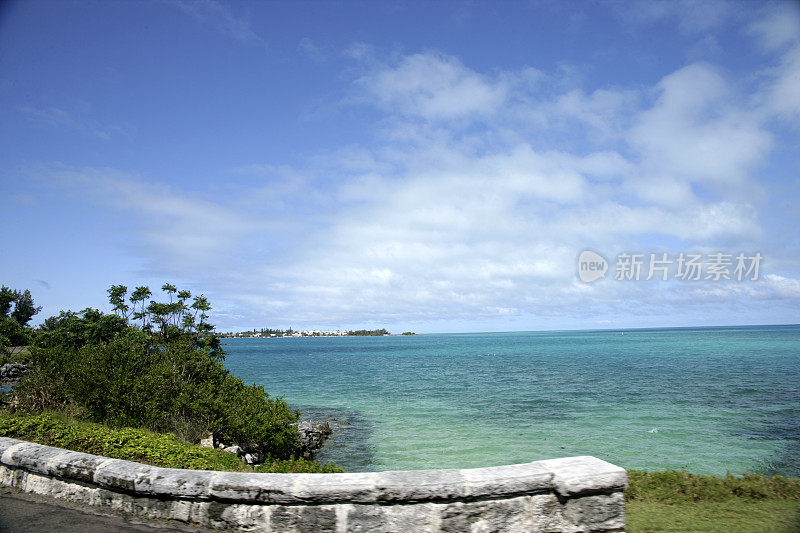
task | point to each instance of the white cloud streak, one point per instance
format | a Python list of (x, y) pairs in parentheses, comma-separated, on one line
[(219, 17), (461, 210)]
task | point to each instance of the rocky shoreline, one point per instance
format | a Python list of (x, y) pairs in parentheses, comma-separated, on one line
[(310, 439)]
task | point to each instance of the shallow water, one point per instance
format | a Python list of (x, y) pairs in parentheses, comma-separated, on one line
[(709, 400)]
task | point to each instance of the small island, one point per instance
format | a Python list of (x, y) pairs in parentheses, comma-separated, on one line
[(266, 333)]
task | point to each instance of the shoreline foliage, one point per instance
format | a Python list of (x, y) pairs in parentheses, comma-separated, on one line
[(139, 445), (151, 365)]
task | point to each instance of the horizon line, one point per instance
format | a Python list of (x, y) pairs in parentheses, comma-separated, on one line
[(573, 330)]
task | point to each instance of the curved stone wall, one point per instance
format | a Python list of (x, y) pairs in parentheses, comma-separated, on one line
[(570, 494)]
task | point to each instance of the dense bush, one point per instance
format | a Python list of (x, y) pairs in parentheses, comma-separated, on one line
[(164, 373), (173, 387), (75, 330), (55, 429), (16, 310)]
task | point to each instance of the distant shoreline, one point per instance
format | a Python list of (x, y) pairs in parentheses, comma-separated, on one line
[(317, 336)]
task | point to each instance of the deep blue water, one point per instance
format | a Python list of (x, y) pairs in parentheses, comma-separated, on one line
[(709, 400)]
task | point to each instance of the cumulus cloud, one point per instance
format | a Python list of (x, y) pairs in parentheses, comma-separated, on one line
[(694, 132), (461, 208)]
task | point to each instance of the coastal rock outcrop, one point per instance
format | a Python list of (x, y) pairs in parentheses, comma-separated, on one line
[(310, 439), (12, 372)]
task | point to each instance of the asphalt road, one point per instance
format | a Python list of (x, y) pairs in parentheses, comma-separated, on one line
[(30, 513)]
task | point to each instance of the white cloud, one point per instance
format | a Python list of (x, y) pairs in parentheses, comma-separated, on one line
[(70, 120), (604, 110), (176, 232), (310, 49), (693, 17), (467, 213), (779, 31), (220, 17), (781, 287), (693, 132), (783, 98), (779, 27), (433, 87)]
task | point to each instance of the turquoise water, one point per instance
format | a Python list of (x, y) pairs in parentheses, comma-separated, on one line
[(709, 400)]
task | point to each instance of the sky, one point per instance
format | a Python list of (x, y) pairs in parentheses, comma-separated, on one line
[(424, 166)]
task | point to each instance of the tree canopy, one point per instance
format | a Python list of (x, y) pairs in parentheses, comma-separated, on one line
[(151, 364), (16, 310)]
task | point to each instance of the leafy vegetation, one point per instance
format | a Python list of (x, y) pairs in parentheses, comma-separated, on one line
[(23, 356), (16, 310), (155, 365), (674, 486), (59, 430)]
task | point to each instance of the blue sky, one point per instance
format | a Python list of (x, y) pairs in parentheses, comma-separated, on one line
[(433, 166)]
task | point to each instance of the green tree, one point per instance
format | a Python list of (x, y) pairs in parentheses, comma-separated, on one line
[(116, 295), (16, 310), (139, 297)]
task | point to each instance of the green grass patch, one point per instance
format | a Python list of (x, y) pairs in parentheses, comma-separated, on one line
[(680, 501), (731, 516), (131, 444)]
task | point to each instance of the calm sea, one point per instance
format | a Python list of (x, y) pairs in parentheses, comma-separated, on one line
[(708, 400)]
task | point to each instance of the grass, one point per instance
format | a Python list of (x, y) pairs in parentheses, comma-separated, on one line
[(680, 501), (62, 431), (732, 516)]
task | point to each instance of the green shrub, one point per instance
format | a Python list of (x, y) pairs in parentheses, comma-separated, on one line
[(124, 443), (17, 356), (153, 365), (16, 310), (673, 486), (13, 333), (59, 430), (175, 387), (70, 330)]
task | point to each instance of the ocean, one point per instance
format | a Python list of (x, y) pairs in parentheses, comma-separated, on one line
[(707, 400)]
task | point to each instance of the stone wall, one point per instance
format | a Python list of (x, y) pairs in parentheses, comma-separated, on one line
[(571, 494)]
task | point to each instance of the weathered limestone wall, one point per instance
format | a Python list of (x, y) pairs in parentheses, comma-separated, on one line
[(571, 494)]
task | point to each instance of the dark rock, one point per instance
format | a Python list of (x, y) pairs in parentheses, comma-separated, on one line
[(12, 372), (311, 438)]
